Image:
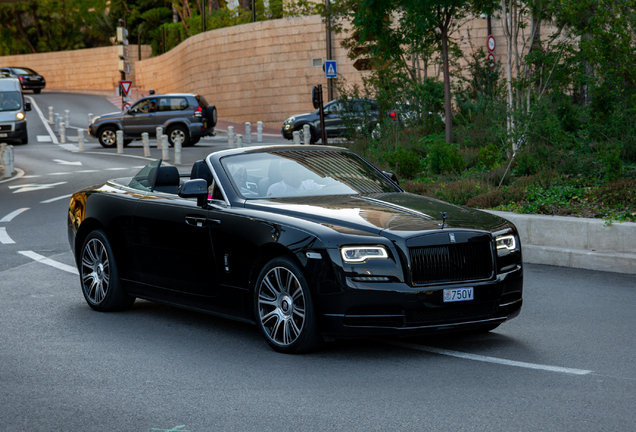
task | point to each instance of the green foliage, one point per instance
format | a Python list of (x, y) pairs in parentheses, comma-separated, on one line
[(442, 157), (490, 156), (408, 163)]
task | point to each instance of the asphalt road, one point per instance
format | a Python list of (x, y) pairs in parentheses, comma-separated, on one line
[(565, 364)]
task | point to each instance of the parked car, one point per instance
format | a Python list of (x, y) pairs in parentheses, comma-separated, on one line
[(13, 122), (309, 243), (338, 116), (29, 79), (183, 115)]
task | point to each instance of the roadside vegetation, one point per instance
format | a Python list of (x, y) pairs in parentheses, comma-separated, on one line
[(552, 132)]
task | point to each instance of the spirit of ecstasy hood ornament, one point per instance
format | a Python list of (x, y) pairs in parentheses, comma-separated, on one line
[(444, 216)]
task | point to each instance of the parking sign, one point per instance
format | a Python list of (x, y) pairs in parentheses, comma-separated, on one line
[(331, 69)]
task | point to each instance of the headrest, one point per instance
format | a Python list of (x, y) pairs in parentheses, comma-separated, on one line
[(200, 170), (167, 176)]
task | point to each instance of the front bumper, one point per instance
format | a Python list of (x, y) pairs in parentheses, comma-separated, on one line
[(287, 133), (13, 131), (375, 309)]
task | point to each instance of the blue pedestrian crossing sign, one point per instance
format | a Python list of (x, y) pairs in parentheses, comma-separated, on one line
[(331, 69)]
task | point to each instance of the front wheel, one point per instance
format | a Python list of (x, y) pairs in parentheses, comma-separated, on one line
[(99, 276), (312, 136), (283, 308), (107, 136)]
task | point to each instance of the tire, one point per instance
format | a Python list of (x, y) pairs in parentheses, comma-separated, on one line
[(211, 115), (283, 308), (37, 91), (181, 131), (107, 136), (193, 141), (99, 276), (312, 135), (127, 141), (25, 140)]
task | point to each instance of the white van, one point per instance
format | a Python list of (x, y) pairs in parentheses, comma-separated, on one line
[(13, 123)]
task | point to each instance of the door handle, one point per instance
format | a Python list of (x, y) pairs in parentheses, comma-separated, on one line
[(196, 221)]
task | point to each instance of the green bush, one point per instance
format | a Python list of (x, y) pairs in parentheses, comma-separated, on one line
[(441, 157)]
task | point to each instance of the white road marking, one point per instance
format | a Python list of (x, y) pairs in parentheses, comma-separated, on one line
[(44, 138), (63, 162), (44, 260), (4, 237), (87, 171), (32, 176), (34, 187), (10, 216), (487, 359), (60, 173), (115, 169), (46, 123), (56, 199), (70, 147)]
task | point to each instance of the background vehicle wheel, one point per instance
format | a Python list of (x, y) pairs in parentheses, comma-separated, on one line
[(193, 141), (211, 115), (284, 310), (178, 131), (99, 277), (127, 141), (312, 137), (107, 136), (37, 91), (25, 140)]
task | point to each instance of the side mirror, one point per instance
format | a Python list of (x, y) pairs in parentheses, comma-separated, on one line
[(27, 106), (197, 188), (391, 177)]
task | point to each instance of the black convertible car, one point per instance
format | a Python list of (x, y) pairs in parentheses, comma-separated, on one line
[(310, 243)]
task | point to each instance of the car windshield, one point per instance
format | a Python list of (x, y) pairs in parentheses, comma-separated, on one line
[(24, 71), (10, 101), (145, 178), (288, 173)]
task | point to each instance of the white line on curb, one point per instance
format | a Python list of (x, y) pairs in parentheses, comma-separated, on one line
[(13, 214), (487, 359), (44, 260), (46, 123), (4, 237)]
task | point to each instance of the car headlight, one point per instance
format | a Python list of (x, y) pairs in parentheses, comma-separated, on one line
[(20, 115), (357, 254), (506, 242), (94, 119)]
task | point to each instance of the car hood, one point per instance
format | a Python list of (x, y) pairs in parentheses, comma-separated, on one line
[(393, 215), (305, 117), (113, 115), (8, 116)]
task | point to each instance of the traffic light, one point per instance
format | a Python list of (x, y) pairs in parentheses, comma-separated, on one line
[(122, 49)]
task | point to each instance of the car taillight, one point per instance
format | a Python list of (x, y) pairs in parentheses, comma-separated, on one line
[(197, 112), (393, 115), (21, 78)]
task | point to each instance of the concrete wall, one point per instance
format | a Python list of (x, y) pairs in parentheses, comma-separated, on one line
[(253, 72), (86, 69)]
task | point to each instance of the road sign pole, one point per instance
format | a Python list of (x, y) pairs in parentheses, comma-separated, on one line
[(323, 132)]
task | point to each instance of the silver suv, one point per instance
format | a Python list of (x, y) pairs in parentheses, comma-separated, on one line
[(183, 115)]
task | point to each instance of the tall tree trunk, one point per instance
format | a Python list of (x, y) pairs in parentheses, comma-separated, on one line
[(17, 16), (448, 114), (507, 21), (586, 96)]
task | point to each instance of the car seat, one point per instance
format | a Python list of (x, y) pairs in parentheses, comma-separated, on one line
[(167, 179), (273, 176)]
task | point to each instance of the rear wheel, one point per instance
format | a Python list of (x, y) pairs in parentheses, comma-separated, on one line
[(178, 132), (193, 141), (284, 309), (37, 91), (99, 276), (107, 136)]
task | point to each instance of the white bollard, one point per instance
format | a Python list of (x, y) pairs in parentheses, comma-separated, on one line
[(90, 118), (177, 151), (50, 115), (259, 131), (306, 134), (159, 135), (56, 121), (62, 133), (296, 136), (80, 139), (239, 140), (248, 133), (165, 154), (145, 142), (9, 161), (4, 156), (120, 142), (230, 137), (67, 118)]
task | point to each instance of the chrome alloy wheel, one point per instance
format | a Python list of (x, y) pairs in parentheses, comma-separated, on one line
[(281, 306), (177, 133), (95, 271), (109, 137)]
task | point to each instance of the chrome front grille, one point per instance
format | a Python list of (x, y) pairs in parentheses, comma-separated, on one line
[(451, 263)]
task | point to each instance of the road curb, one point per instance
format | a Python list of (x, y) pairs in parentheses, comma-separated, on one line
[(576, 242)]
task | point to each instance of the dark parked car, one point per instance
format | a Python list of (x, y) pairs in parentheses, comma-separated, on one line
[(29, 79), (183, 115), (309, 243), (339, 115)]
